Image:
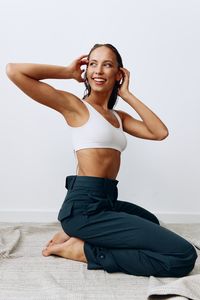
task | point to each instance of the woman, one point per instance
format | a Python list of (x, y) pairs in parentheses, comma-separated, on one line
[(98, 229)]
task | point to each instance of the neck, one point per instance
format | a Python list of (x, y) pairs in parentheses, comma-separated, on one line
[(99, 98)]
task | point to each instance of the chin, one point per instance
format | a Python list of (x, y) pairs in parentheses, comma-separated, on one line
[(100, 88), (97, 88)]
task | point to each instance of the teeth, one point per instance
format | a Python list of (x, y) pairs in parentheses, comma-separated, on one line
[(98, 79)]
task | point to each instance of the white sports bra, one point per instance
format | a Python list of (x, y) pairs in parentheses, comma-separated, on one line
[(97, 132)]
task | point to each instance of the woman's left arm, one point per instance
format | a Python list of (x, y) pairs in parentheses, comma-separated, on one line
[(151, 127)]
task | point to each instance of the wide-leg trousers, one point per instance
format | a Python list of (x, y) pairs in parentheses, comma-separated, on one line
[(120, 236)]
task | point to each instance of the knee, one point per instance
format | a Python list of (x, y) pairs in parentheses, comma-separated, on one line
[(191, 258), (66, 228), (73, 227), (184, 262)]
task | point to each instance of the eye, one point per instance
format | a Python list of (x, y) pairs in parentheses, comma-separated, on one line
[(92, 63), (108, 65)]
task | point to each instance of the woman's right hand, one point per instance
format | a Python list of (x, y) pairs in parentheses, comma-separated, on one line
[(75, 67)]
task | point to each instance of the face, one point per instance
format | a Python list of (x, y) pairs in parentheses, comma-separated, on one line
[(102, 70)]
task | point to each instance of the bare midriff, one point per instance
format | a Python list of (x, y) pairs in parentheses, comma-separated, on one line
[(101, 162)]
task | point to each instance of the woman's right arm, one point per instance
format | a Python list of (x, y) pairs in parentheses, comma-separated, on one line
[(27, 77)]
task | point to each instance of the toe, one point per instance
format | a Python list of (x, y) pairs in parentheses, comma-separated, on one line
[(45, 252), (49, 242), (54, 249)]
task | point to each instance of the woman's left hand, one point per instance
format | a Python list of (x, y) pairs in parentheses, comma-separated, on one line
[(124, 86)]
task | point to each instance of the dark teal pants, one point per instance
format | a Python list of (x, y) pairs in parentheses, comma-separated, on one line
[(120, 236)]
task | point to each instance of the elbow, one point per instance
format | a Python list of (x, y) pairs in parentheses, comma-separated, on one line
[(10, 70), (163, 135)]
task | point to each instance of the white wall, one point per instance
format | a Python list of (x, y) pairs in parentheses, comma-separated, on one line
[(159, 43)]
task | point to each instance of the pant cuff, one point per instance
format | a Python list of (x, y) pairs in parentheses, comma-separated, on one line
[(100, 258)]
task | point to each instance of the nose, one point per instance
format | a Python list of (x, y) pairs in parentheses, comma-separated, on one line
[(98, 69)]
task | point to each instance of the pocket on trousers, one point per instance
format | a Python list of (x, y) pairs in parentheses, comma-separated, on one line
[(98, 202), (65, 211)]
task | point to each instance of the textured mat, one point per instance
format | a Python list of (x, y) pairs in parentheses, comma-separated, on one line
[(26, 274)]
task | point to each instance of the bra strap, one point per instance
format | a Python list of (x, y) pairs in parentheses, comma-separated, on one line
[(118, 118)]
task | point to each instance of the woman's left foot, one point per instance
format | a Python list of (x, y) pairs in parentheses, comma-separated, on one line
[(59, 238), (71, 249)]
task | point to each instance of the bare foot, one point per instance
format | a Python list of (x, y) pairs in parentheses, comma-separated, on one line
[(71, 249), (59, 238)]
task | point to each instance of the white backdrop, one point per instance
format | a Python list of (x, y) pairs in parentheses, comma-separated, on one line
[(159, 43)]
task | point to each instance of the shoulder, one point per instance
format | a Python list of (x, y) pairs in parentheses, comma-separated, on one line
[(121, 113), (73, 104), (127, 120), (75, 109)]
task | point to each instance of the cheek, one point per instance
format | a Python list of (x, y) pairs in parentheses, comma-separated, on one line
[(88, 73), (111, 74), (112, 77)]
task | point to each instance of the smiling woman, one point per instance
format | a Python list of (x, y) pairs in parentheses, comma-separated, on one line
[(109, 60), (97, 228)]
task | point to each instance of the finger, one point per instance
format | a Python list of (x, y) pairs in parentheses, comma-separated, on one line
[(123, 68), (80, 79), (82, 56), (125, 71), (83, 79), (84, 62), (126, 75)]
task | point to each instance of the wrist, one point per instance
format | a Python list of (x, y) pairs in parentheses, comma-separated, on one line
[(68, 73), (126, 95), (129, 98)]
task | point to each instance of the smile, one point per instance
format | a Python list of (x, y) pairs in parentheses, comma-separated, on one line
[(99, 81)]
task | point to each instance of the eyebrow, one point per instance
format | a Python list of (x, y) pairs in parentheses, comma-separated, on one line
[(107, 60)]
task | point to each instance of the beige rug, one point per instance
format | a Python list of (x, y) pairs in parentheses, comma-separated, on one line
[(26, 275)]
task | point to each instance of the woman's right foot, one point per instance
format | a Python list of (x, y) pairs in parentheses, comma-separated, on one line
[(59, 238), (72, 249)]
